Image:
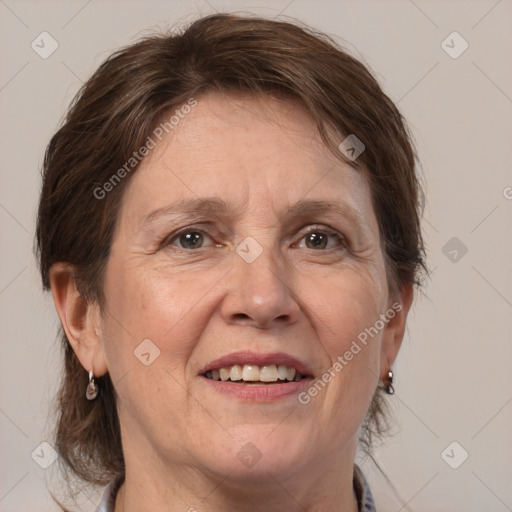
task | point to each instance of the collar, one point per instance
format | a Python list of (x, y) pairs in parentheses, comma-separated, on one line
[(361, 488)]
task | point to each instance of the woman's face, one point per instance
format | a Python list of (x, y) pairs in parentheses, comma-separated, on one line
[(241, 240)]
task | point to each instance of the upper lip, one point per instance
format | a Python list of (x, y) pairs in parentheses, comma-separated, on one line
[(248, 357)]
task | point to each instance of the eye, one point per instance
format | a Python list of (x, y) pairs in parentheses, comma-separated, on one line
[(187, 239), (321, 238)]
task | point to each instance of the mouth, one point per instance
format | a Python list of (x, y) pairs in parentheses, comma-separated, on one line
[(257, 377), (251, 374)]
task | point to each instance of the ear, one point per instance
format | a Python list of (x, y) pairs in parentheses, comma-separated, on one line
[(393, 334), (80, 319)]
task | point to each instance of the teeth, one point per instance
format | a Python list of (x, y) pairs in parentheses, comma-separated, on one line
[(269, 373), (282, 372), (251, 373), (254, 373), (292, 374), (235, 373)]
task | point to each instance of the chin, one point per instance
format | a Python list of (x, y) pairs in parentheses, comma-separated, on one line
[(252, 454)]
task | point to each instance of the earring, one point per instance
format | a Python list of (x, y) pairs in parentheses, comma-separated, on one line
[(92, 388), (388, 383)]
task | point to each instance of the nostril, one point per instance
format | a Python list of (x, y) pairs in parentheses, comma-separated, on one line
[(240, 316)]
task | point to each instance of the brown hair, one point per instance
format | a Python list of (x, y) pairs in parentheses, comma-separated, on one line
[(116, 111)]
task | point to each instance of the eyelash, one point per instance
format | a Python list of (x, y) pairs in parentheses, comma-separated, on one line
[(313, 229), (325, 231)]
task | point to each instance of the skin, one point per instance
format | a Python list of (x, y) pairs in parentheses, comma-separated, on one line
[(180, 437)]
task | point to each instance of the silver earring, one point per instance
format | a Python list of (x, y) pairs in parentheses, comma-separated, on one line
[(92, 388), (388, 383)]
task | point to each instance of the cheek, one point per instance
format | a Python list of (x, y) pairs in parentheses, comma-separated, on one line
[(346, 307), (154, 303), (347, 311), (153, 321)]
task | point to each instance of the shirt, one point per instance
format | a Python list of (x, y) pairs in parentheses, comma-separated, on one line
[(361, 488)]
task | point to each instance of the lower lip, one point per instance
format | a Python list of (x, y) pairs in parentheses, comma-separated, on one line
[(258, 392)]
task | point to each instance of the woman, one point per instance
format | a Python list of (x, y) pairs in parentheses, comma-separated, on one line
[(229, 225)]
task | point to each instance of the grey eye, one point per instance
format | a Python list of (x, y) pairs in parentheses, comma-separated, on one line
[(316, 240), (191, 240)]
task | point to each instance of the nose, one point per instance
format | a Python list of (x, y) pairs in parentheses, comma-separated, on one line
[(260, 294)]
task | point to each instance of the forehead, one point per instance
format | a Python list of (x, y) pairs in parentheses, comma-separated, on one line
[(249, 150)]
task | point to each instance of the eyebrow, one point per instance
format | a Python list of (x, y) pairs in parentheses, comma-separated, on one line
[(214, 206), (195, 206), (306, 208)]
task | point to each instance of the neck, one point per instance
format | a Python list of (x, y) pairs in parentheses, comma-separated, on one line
[(313, 489)]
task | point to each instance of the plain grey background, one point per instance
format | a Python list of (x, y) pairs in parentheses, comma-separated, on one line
[(453, 376)]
